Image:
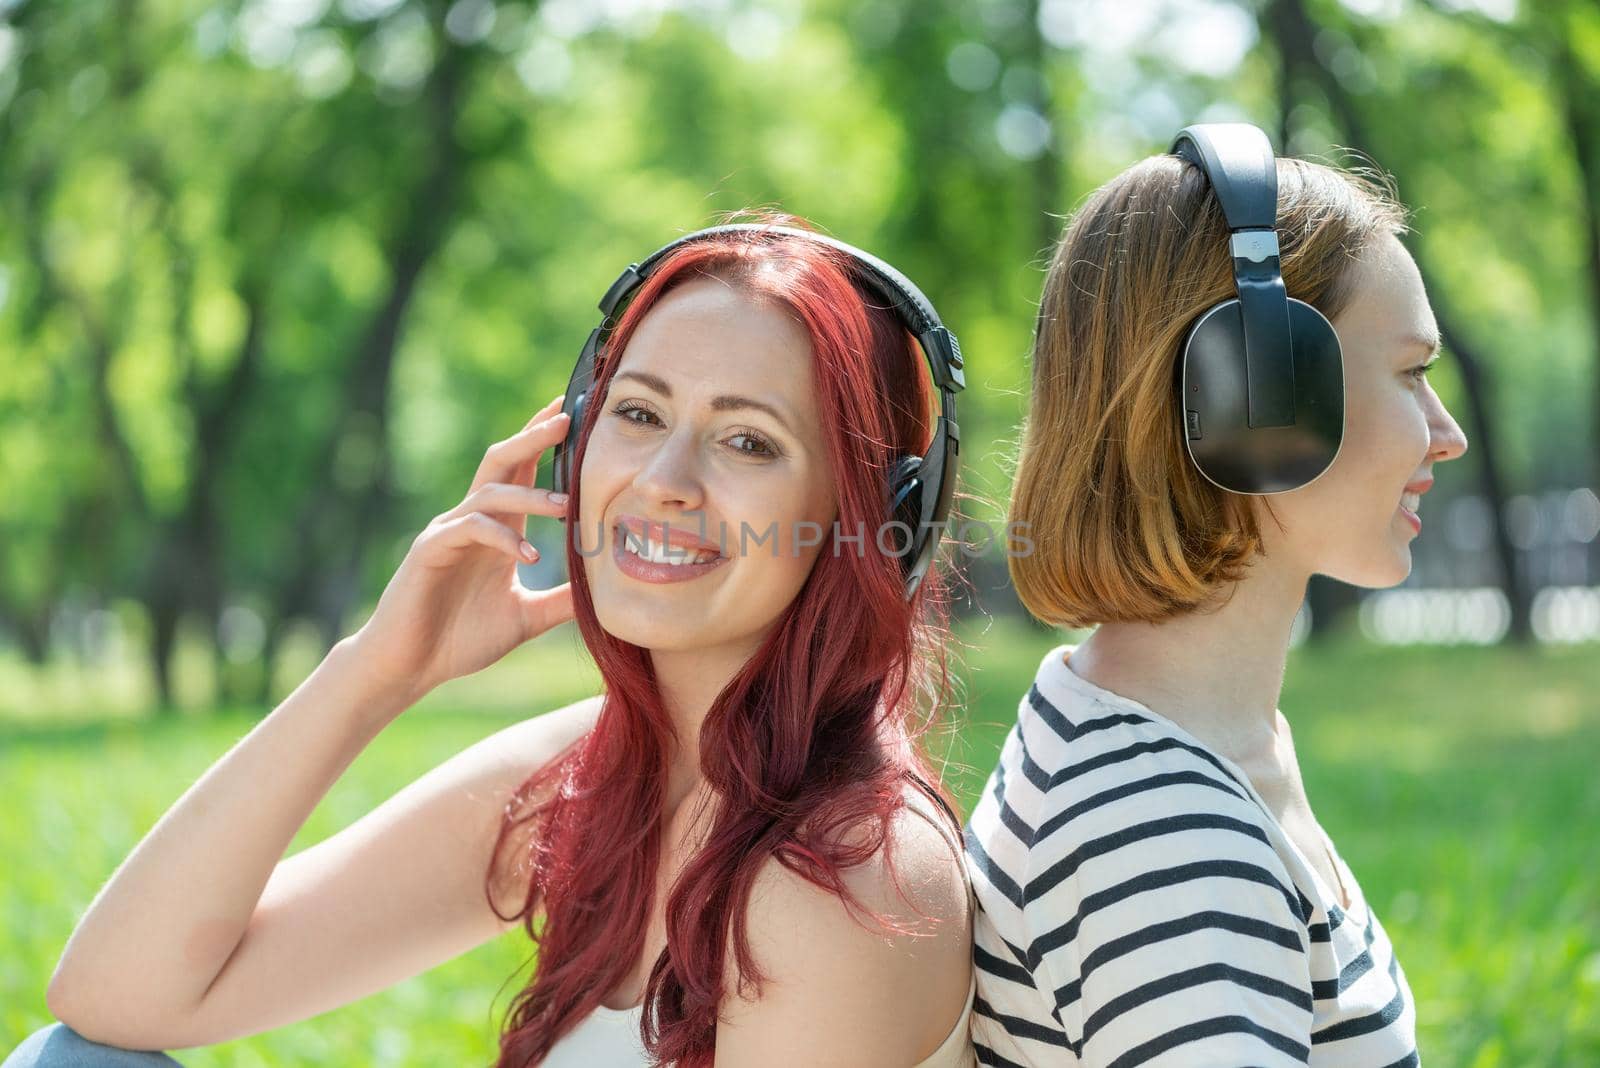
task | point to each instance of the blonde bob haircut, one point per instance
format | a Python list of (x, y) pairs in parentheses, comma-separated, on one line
[(1122, 526)]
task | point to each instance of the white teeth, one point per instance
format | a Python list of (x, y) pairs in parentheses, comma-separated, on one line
[(1411, 501), (658, 553)]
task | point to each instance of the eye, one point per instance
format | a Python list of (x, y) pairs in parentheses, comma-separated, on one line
[(757, 446), (1420, 372), (763, 448), (626, 409)]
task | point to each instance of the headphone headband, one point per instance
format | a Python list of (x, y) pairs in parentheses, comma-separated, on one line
[(914, 309), (1237, 159), (1261, 389)]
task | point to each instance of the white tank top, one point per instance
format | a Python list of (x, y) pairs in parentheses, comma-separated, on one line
[(611, 1036)]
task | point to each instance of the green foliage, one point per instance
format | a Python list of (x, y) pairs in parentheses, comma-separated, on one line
[(278, 274)]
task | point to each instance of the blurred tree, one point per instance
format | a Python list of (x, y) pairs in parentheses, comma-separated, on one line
[(1569, 34), (174, 254), (1305, 65), (279, 271)]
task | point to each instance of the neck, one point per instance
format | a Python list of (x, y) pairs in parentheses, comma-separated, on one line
[(1218, 674), (689, 681)]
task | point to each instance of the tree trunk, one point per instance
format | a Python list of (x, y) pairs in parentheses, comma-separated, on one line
[(1579, 93), (1294, 30), (164, 615), (335, 527)]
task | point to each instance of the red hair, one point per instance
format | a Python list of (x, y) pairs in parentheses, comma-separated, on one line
[(808, 748)]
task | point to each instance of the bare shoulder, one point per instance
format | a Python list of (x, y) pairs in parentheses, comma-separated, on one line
[(489, 771), (452, 814), (527, 745), (920, 878), (841, 989), (484, 775), (550, 732)]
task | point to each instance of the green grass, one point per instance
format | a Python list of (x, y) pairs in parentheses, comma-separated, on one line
[(1460, 785)]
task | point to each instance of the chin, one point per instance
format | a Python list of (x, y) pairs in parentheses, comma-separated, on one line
[(649, 626), (1380, 574), (657, 639)]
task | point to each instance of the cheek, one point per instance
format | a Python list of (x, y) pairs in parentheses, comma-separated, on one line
[(1385, 440), (1385, 428), (592, 495), (766, 517), (608, 461), (795, 512), (1388, 439), (814, 502), (600, 479)]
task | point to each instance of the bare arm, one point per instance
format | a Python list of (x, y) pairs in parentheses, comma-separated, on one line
[(160, 931), (202, 935)]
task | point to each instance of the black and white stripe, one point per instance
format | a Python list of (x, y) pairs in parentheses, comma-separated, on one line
[(1139, 906)]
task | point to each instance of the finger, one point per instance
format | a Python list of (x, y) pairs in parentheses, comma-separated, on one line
[(502, 459), (505, 499), (475, 528)]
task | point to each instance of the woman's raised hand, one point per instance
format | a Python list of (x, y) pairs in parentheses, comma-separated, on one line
[(455, 605)]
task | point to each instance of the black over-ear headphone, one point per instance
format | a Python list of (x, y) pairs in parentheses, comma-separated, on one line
[(920, 487), (1261, 386)]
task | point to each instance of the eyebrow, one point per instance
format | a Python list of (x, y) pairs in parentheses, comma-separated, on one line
[(723, 402), (1431, 342)]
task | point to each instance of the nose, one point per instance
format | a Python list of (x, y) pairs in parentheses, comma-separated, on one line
[(670, 476), (1446, 439)]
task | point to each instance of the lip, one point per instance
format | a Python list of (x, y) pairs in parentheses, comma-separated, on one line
[(637, 567), (1419, 488), (649, 530)]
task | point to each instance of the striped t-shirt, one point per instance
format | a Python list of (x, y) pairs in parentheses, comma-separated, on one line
[(1139, 905)]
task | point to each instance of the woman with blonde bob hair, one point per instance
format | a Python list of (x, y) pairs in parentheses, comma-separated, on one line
[(1153, 886)]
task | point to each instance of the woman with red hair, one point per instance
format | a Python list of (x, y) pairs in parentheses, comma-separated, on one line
[(735, 854)]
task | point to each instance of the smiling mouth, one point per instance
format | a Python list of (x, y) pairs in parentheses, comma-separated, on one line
[(657, 552)]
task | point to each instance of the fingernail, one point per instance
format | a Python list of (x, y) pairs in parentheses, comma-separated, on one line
[(529, 553), (558, 498)]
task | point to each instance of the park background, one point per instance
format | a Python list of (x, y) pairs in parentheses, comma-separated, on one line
[(273, 274)]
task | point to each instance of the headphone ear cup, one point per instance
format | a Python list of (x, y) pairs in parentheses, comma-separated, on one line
[(561, 459), (1213, 404), (905, 503)]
